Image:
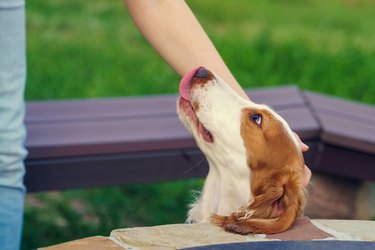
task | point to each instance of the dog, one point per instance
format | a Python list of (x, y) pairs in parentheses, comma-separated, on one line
[(254, 183)]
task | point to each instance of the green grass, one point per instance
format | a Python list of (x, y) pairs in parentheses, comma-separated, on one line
[(91, 49), (81, 50), (55, 217)]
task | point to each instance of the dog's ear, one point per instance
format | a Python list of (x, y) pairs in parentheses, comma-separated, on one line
[(274, 207)]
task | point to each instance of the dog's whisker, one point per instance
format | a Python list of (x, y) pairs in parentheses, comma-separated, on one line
[(282, 111), (195, 166)]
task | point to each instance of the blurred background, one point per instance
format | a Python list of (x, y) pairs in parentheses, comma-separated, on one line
[(91, 49)]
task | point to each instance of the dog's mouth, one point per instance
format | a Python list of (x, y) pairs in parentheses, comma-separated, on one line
[(185, 101)]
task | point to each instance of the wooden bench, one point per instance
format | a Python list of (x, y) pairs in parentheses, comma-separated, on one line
[(347, 138), (100, 142)]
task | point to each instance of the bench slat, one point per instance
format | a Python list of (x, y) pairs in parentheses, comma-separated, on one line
[(342, 108), (348, 133), (280, 97), (115, 169), (344, 123), (47, 140), (340, 161), (100, 109), (103, 137), (136, 107), (301, 121)]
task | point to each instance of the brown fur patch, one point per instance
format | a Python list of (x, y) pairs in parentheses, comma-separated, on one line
[(195, 106), (276, 178)]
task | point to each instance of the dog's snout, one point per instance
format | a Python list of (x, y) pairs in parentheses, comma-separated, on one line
[(201, 73)]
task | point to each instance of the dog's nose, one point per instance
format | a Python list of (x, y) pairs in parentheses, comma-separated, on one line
[(201, 73)]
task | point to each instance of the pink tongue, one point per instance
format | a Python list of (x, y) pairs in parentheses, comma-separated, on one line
[(184, 84)]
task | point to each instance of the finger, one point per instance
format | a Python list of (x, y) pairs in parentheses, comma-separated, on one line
[(307, 176), (303, 146)]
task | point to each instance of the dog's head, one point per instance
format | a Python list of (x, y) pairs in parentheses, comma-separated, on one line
[(246, 137)]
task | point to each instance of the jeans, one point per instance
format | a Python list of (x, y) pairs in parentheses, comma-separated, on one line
[(12, 129)]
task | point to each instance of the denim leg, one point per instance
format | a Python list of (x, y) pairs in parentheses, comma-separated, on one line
[(11, 216), (12, 129)]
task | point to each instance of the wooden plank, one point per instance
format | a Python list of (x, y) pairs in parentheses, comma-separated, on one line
[(347, 163), (105, 137), (120, 169), (301, 121), (347, 146), (347, 133), (344, 123), (114, 169), (86, 127), (312, 154), (350, 110), (100, 109), (280, 97), (74, 138), (136, 107)]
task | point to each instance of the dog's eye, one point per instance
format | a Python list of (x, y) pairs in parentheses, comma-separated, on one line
[(257, 118)]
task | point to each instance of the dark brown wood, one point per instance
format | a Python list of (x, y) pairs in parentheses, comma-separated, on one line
[(343, 162), (301, 121), (280, 97), (100, 109), (342, 108), (45, 111), (79, 128), (114, 169), (346, 124), (312, 154), (48, 140), (121, 169), (348, 133), (136, 107), (91, 143)]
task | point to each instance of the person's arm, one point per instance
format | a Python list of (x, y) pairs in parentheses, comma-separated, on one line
[(172, 29)]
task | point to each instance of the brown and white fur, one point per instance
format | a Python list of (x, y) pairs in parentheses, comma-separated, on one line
[(254, 184)]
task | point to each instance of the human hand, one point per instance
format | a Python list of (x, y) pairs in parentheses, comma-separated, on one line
[(307, 171)]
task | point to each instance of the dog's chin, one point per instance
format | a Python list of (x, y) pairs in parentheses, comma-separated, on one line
[(189, 118)]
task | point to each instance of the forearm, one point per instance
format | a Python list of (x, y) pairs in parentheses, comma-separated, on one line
[(174, 32)]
